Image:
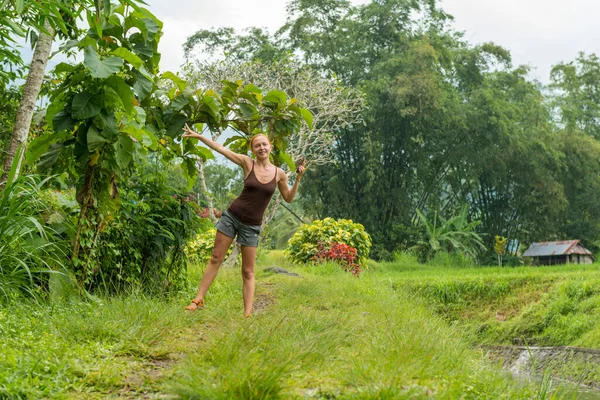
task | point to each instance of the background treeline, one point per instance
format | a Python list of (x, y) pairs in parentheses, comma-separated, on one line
[(447, 124)]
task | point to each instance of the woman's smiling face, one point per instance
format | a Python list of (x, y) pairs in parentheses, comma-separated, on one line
[(260, 146)]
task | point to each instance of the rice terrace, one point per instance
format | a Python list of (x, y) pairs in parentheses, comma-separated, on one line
[(309, 199)]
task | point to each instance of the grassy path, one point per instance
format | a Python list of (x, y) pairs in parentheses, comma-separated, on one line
[(326, 335)]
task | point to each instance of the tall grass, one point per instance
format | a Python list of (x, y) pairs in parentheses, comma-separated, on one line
[(27, 246), (331, 335)]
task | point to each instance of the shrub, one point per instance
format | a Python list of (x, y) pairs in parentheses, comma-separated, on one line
[(304, 245), (200, 248), (28, 247), (142, 246), (340, 253)]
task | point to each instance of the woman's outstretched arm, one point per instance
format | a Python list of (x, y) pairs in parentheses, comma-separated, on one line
[(288, 193), (240, 159)]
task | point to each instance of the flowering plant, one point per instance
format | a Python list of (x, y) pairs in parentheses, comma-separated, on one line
[(341, 253)]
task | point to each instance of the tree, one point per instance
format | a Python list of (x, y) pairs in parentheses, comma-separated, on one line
[(332, 106), (41, 16), (577, 97)]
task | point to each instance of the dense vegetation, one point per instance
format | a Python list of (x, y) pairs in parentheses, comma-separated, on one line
[(447, 124)]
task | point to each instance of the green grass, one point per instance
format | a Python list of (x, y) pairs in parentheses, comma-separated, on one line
[(325, 335), (549, 306)]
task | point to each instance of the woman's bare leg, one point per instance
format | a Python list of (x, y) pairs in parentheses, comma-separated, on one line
[(222, 243), (248, 258)]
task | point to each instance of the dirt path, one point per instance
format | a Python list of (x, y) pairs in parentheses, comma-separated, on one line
[(148, 376)]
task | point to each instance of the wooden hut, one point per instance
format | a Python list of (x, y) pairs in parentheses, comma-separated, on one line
[(561, 252)]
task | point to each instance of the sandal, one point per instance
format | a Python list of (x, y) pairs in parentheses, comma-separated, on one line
[(199, 305)]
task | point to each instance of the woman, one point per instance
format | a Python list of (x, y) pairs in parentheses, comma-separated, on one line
[(244, 215)]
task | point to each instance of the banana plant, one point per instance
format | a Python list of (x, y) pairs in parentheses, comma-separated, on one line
[(456, 234)]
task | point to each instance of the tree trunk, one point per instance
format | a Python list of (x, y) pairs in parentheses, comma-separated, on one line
[(273, 210), (211, 210), (31, 90)]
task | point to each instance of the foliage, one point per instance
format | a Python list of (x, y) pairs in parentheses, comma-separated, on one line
[(143, 247), (499, 246), (542, 306), (107, 115), (223, 183), (305, 243), (28, 246), (340, 253), (24, 19), (577, 94), (448, 123), (9, 105), (200, 248), (332, 105), (455, 235)]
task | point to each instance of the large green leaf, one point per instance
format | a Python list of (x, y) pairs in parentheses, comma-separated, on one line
[(124, 151), (62, 121), (175, 125), (86, 105), (123, 90), (248, 111), (276, 96), (288, 160), (143, 49), (205, 153), (179, 102), (250, 88), (49, 158), (40, 145), (95, 140), (181, 84), (212, 107), (110, 128), (142, 86), (152, 28), (101, 68), (307, 116), (128, 56), (150, 140)]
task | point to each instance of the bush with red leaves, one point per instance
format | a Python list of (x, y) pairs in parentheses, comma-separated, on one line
[(203, 213), (341, 253)]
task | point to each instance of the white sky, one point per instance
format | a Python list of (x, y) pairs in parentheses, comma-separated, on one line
[(539, 33)]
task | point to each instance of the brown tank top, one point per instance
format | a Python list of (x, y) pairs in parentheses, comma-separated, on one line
[(249, 207)]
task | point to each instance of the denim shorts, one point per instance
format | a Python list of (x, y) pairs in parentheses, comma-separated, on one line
[(247, 235)]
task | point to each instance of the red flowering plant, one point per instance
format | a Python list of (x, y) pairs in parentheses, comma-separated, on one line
[(338, 252), (203, 212)]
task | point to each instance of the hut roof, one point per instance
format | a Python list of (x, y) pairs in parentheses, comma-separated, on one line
[(559, 248)]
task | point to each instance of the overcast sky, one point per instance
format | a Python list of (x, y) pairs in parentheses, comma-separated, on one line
[(539, 33)]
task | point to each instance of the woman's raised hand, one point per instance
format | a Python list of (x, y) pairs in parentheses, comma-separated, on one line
[(189, 132), (301, 167)]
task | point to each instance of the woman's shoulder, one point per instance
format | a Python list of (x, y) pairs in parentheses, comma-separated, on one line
[(281, 174)]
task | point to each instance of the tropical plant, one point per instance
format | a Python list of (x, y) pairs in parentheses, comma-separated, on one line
[(142, 245), (499, 246), (305, 244), (28, 246), (340, 253), (455, 235)]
